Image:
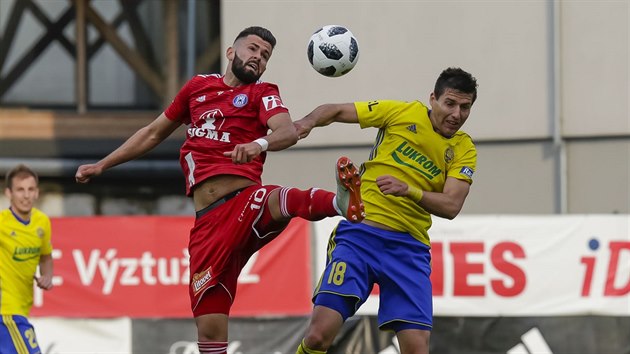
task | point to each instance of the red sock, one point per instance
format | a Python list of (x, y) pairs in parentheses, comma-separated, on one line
[(313, 204), (212, 347)]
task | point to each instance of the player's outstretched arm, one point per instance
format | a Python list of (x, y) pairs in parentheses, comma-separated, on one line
[(324, 115), (141, 142), (283, 134)]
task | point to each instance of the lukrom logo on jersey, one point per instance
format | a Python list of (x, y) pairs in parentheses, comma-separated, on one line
[(22, 254), (208, 128), (199, 280), (411, 157)]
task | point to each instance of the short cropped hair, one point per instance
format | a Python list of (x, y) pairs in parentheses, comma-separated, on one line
[(456, 79), (21, 171), (261, 32)]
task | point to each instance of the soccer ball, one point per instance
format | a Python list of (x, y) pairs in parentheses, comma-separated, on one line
[(333, 50)]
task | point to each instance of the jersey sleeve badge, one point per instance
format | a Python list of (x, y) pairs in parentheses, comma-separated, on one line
[(271, 102), (467, 171)]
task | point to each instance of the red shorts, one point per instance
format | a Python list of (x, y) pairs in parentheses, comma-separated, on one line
[(223, 240)]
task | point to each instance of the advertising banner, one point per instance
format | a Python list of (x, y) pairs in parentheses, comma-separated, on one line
[(523, 265), (360, 334), (501, 284), (246, 335), (501, 335), (139, 267)]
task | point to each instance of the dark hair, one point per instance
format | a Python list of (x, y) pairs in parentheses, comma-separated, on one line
[(456, 79), (261, 32), (20, 170)]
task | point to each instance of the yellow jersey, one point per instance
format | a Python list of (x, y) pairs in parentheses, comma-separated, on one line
[(408, 148), (21, 245)]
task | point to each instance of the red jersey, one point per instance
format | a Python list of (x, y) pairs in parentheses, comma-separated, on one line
[(219, 117)]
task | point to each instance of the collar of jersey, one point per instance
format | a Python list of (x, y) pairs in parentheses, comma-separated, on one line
[(25, 222)]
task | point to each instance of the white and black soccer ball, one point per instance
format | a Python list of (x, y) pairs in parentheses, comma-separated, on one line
[(333, 50)]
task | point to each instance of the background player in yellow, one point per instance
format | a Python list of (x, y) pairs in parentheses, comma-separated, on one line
[(25, 243), (421, 164)]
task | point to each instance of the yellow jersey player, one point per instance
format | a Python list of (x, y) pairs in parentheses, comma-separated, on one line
[(421, 165), (24, 245)]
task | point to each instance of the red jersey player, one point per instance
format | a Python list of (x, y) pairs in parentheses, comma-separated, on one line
[(228, 117)]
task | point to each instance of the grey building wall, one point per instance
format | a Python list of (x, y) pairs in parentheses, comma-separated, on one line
[(546, 70)]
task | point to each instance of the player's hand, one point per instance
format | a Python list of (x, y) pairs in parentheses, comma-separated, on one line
[(302, 128), (390, 185), (244, 153), (44, 282), (85, 172)]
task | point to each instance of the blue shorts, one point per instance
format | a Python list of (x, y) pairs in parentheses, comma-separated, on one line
[(360, 255), (17, 336)]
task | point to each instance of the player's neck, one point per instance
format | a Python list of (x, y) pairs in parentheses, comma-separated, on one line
[(231, 80), (24, 218)]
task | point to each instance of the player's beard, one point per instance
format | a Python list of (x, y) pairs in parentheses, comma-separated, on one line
[(239, 70)]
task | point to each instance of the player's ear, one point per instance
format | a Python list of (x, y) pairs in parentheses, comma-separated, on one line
[(229, 53)]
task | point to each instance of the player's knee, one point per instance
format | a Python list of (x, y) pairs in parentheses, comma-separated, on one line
[(273, 209), (316, 340), (413, 341), (211, 329), (211, 315)]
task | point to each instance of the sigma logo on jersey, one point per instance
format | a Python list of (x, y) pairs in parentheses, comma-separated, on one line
[(467, 171), (209, 117), (208, 128), (271, 102), (240, 100), (200, 280)]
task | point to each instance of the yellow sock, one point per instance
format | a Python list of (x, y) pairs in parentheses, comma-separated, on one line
[(303, 349)]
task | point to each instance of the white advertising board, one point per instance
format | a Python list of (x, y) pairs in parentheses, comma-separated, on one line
[(523, 265), (65, 336)]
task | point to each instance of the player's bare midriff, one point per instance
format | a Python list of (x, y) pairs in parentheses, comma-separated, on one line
[(216, 187), (378, 225)]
